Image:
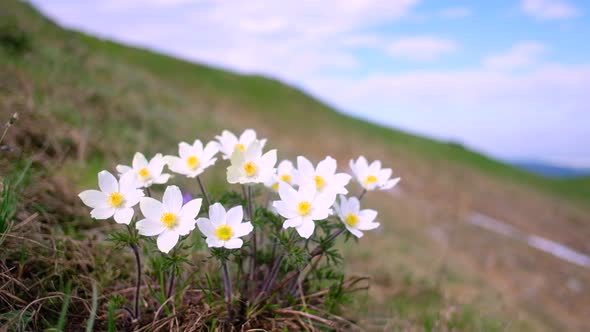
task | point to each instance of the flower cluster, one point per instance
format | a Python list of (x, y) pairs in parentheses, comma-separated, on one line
[(306, 193)]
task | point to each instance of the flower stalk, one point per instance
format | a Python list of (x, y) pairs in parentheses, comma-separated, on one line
[(203, 191), (135, 249)]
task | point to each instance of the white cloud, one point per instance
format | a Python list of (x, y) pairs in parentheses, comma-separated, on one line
[(523, 54), (542, 112), (421, 48), (455, 12), (549, 9)]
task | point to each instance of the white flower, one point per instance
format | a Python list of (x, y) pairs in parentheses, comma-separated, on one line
[(324, 175), (372, 177), (251, 166), (168, 219), (355, 219), (146, 173), (302, 207), (193, 159), (115, 198), (224, 229), (228, 142), (286, 173)]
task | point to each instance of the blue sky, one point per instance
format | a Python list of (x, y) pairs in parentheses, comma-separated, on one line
[(510, 78)]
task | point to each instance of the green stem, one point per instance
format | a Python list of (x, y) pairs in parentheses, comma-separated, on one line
[(203, 192)]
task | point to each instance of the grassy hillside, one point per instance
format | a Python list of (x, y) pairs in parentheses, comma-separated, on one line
[(87, 104)]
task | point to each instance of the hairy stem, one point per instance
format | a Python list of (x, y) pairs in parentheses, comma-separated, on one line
[(149, 192), (253, 262), (227, 287), (170, 284), (135, 249), (362, 194), (203, 192)]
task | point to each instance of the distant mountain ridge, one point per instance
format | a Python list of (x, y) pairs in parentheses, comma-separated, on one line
[(550, 170)]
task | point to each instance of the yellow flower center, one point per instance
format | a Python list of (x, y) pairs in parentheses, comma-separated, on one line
[(286, 178), (193, 162), (371, 179), (144, 173), (250, 168), (116, 199), (351, 219), (224, 232), (320, 183), (170, 220), (240, 146), (275, 186), (304, 208)]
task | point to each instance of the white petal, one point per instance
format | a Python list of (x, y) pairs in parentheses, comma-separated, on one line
[(132, 197), (211, 150), (306, 228), (94, 198), (287, 193), (233, 244), (354, 231), (354, 206), (293, 222), (390, 184), (214, 243), (197, 147), (191, 209), (248, 136), (185, 225), (161, 179), (242, 229), (177, 165), (206, 227), (253, 151), (172, 199), (107, 182), (151, 208), (149, 227), (368, 226), (283, 209), (124, 216), (102, 213), (305, 167), (384, 174), (269, 159), (234, 215), (217, 214), (307, 190), (167, 240), (326, 167), (367, 215), (156, 165), (184, 150), (139, 161), (320, 213), (128, 182), (122, 169), (233, 174)]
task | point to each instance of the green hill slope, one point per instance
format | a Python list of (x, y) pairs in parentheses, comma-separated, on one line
[(87, 104)]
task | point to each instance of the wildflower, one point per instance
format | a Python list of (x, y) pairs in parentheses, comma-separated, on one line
[(115, 198), (302, 207), (324, 175), (355, 220), (372, 177), (228, 142), (193, 159), (251, 166), (285, 173), (146, 173), (224, 229), (168, 219)]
